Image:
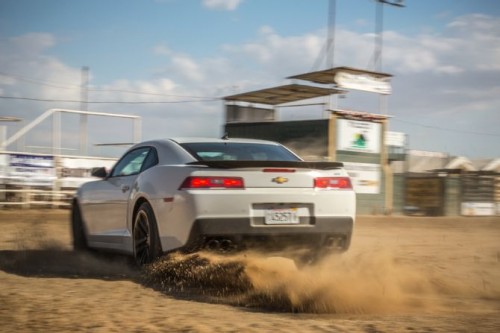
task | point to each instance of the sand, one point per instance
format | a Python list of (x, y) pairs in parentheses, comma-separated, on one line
[(402, 274)]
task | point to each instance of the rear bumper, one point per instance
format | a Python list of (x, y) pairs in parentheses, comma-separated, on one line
[(322, 232), (195, 216)]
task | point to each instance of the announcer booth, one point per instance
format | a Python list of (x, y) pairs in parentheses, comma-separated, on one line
[(355, 138)]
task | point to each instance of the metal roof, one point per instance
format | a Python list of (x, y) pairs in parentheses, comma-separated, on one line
[(358, 115), (283, 94), (327, 76)]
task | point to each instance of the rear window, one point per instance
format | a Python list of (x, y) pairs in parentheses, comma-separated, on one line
[(231, 151)]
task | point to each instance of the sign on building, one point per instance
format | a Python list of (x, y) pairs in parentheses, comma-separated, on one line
[(359, 136), (363, 81), (395, 139), (365, 177)]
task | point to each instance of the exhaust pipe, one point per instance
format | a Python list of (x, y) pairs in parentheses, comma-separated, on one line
[(213, 244), (335, 242), (226, 245), (222, 245)]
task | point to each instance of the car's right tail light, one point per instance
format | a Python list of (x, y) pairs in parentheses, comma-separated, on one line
[(332, 183), (213, 183)]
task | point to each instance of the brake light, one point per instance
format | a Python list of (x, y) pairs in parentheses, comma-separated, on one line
[(278, 170), (333, 182), (212, 182)]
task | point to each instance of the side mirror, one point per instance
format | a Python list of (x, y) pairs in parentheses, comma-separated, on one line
[(99, 172)]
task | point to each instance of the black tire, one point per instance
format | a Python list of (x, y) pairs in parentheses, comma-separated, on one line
[(146, 241), (78, 229)]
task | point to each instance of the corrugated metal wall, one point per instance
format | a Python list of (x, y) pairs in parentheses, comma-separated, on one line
[(424, 194), (479, 194), (452, 195), (459, 194), (399, 187)]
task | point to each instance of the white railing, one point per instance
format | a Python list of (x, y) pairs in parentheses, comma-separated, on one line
[(29, 197)]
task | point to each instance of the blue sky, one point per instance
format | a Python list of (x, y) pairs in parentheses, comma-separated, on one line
[(445, 57)]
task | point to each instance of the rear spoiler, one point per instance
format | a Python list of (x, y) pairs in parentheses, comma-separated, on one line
[(268, 164)]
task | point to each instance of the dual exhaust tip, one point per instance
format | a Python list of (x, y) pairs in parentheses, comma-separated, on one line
[(222, 245), (228, 245)]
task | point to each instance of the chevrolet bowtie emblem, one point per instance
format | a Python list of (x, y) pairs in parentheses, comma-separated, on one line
[(280, 180)]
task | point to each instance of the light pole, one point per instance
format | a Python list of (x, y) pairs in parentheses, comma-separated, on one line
[(83, 107), (379, 30), (383, 105), (379, 41)]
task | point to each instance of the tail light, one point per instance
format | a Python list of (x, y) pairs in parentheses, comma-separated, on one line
[(213, 182), (333, 183)]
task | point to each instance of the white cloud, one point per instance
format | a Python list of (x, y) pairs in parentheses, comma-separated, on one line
[(162, 49), (222, 4), (278, 56), (120, 90), (266, 30), (25, 57), (33, 42), (188, 68)]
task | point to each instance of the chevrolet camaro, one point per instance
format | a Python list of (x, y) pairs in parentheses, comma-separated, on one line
[(219, 194)]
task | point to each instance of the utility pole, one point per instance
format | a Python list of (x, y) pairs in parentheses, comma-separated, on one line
[(383, 103), (327, 51), (379, 41), (379, 30), (84, 95), (330, 44)]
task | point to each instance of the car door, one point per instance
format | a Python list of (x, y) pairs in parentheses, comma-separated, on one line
[(107, 204)]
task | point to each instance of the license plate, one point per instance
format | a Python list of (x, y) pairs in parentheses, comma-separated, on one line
[(282, 216)]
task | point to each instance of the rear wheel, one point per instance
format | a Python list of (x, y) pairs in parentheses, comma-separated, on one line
[(78, 229), (147, 246)]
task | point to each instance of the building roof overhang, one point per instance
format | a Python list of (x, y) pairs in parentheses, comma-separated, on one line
[(327, 76), (283, 94)]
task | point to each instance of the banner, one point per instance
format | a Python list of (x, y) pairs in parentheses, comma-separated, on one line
[(33, 170), (359, 136), (364, 82), (365, 177)]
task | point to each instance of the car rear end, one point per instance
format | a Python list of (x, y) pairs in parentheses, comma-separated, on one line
[(273, 204)]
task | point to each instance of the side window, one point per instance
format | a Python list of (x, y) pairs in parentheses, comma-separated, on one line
[(131, 163), (151, 160)]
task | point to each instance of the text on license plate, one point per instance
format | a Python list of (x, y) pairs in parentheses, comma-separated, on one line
[(282, 216)]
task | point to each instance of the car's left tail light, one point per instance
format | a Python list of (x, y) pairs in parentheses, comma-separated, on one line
[(213, 183), (333, 183)]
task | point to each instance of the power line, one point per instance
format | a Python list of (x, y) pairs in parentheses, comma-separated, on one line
[(40, 82), (444, 129), (144, 93), (108, 102), (74, 86), (218, 99)]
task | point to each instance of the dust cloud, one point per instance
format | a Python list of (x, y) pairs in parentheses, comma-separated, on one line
[(362, 283)]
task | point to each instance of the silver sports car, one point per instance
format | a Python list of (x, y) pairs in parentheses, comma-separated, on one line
[(220, 194)]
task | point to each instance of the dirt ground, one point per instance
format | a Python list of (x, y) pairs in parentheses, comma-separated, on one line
[(402, 274)]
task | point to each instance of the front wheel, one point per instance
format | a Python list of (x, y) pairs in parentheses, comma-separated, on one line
[(147, 245)]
